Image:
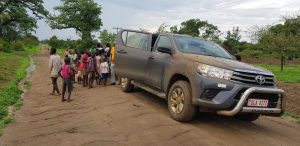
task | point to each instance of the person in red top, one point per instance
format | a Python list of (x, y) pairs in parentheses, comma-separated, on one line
[(66, 74), (84, 72)]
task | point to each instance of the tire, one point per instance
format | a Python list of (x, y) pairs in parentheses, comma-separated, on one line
[(248, 117), (181, 109), (126, 84)]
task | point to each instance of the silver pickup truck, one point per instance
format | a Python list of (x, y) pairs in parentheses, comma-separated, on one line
[(193, 74)]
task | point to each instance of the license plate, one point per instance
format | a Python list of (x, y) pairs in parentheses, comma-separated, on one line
[(258, 102)]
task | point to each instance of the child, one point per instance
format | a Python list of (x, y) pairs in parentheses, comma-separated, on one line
[(92, 68), (66, 74), (98, 58), (104, 70), (84, 71), (78, 76)]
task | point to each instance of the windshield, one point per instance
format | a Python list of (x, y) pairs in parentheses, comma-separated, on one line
[(198, 46)]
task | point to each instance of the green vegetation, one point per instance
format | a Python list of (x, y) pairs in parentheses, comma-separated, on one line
[(293, 116), (19, 17), (12, 71), (291, 74), (81, 15), (275, 41)]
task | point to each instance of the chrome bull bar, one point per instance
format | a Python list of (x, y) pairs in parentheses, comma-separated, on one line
[(239, 107)]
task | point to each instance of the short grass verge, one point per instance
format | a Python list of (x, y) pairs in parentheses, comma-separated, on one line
[(12, 71), (290, 74), (293, 116)]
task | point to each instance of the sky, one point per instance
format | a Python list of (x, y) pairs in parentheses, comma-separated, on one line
[(150, 14)]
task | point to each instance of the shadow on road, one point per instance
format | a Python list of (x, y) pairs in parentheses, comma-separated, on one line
[(203, 120)]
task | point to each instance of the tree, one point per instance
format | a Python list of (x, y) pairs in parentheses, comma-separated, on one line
[(15, 17), (162, 28), (232, 40), (54, 42), (81, 15), (283, 38), (107, 37), (196, 28)]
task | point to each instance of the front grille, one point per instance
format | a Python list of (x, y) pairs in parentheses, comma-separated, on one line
[(248, 77)]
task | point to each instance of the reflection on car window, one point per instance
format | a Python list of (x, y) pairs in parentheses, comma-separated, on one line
[(164, 41), (124, 36), (137, 40), (198, 46)]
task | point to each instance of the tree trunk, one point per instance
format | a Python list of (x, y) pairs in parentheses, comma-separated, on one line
[(1, 33), (86, 39), (282, 62), (86, 36)]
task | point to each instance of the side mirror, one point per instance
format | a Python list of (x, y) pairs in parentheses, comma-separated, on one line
[(238, 57), (165, 50)]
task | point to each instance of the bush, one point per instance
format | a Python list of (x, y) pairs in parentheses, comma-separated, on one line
[(251, 53), (17, 46), (4, 46), (3, 112)]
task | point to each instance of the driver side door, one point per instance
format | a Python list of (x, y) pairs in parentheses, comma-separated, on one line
[(158, 62)]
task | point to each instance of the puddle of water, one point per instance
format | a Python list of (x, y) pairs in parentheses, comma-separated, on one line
[(29, 70), (31, 67)]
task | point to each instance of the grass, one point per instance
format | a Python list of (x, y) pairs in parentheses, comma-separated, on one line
[(12, 71), (290, 74), (293, 116)]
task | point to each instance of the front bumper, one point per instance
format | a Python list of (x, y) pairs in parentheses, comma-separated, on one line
[(239, 108), (232, 98)]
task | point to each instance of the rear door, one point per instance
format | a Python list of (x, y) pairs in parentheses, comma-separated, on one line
[(132, 52)]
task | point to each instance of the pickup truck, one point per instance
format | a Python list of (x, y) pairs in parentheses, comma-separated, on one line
[(193, 75)]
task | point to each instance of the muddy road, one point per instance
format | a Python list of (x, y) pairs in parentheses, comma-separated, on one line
[(107, 116)]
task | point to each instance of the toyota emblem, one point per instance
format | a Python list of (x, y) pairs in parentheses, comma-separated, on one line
[(260, 79)]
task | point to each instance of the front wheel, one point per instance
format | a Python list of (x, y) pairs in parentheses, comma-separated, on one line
[(180, 102), (126, 84)]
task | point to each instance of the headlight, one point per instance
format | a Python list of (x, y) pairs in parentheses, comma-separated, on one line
[(215, 72)]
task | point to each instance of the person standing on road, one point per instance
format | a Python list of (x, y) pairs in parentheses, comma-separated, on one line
[(100, 48), (107, 53), (92, 68), (54, 66), (112, 66), (84, 72), (104, 70), (66, 74), (98, 61)]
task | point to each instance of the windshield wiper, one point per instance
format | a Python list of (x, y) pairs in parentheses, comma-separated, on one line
[(216, 56)]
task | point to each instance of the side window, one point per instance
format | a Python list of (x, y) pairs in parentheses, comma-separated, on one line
[(137, 40), (165, 42), (124, 37)]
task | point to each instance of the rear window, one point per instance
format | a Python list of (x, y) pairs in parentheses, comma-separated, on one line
[(136, 40)]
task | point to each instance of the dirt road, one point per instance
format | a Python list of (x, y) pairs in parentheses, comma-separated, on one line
[(107, 116)]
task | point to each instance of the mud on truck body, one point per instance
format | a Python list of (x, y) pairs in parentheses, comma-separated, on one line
[(193, 74)]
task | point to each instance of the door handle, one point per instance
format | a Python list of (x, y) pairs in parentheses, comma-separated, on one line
[(122, 51)]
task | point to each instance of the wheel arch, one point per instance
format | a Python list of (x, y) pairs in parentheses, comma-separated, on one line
[(174, 78)]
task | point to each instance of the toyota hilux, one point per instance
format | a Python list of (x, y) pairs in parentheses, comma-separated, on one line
[(194, 74)]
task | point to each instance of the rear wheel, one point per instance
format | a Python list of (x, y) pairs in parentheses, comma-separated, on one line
[(126, 84), (248, 117), (180, 102)]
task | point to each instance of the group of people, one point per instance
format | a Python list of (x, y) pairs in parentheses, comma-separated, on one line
[(82, 67)]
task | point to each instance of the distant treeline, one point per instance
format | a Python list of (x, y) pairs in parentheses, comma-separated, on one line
[(17, 24)]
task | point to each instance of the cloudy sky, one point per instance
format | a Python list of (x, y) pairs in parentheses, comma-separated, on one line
[(149, 14)]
